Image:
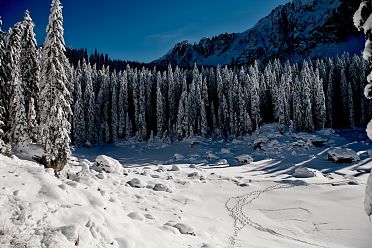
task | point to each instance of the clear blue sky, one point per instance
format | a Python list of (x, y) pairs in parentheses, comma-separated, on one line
[(141, 30)]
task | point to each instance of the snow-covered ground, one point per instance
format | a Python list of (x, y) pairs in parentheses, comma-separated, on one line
[(195, 193)]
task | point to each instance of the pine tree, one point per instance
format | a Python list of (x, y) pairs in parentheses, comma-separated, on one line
[(319, 108), (89, 105), (4, 88), (54, 94), (17, 129), (78, 124), (103, 107), (330, 94), (159, 112), (172, 96), (18, 133), (128, 127), (32, 121), (182, 117), (298, 114), (346, 101), (306, 80), (29, 62), (114, 107), (123, 103), (281, 108), (255, 97), (142, 129)]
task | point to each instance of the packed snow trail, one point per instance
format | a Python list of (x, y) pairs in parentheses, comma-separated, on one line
[(241, 220)]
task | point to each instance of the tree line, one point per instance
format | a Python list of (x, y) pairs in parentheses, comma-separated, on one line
[(217, 102)]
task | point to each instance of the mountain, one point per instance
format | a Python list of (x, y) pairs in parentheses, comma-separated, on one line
[(296, 30)]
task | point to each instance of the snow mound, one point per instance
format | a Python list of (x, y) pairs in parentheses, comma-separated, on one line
[(136, 216), (182, 228), (245, 158), (343, 155), (303, 172), (108, 165)]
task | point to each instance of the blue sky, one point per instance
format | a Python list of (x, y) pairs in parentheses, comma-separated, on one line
[(141, 30)]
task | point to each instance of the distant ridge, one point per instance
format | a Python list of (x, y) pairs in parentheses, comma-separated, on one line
[(294, 31)]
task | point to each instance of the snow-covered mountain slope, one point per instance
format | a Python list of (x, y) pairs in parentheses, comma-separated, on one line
[(297, 30)]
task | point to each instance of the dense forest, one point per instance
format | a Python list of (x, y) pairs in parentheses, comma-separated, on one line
[(107, 100)]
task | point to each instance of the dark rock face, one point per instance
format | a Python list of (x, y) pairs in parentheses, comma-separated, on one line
[(297, 30)]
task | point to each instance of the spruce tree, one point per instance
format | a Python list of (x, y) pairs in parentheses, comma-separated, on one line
[(159, 112), (29, 62), (54, 100), (32, 121), (79, 132), (4, 87), (123, 103), (142, 128), (114, 107), (319, 108), (89, 105), (17, 120)]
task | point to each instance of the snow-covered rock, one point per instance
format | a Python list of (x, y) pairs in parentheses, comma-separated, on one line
[(225, 151), (175, 168), (245, 158), (193, 174), (222, 162), (211, 156), (161, 168), (257, 143), (343, 155), (178, 156), (108, 165), (303, 172), (162, 187), (318, 141), (136, 183), (368, 197)]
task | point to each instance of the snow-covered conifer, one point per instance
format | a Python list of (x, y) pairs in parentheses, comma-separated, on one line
[(114, 107), (29, 61), (78, 124), (123, 103), (54, 95), (159, 112), (319, 108), (89, 105)]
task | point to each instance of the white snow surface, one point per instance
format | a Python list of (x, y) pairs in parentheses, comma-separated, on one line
[(256, 205)]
